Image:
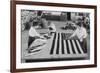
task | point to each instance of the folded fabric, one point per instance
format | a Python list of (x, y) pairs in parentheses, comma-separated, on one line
[(38, 43)]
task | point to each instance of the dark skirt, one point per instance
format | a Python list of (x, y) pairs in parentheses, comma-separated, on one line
[(30, 40), (84, 45)]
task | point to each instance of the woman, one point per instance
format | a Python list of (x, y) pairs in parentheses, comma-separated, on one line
[(33, 36), (81, 34), (52, 27)]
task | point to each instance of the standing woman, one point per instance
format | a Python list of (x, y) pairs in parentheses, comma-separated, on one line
[(81, 34)]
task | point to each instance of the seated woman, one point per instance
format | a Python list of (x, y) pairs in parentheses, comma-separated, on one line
[(52, 27), (33, 36), (44, 26)]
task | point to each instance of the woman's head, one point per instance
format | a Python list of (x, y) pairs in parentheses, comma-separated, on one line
[(34, 24), (49, 22), (79, 22)]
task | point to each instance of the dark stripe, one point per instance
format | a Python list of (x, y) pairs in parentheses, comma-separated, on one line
[(62, 42), (67, 47), (66, 36), (72, 46), (53, 44), (62, 34), (77, 47), (57, 49), (81, 46)]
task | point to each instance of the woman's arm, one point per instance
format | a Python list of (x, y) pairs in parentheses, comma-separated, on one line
[(73, 34), (39, 37)]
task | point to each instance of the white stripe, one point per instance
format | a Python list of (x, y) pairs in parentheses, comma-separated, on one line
[(65, 48), (53, 35), (70, 47), (75, 46), (79, 46)]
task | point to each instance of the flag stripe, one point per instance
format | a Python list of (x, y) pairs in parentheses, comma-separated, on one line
[(57, 49), (73, 49), (62, 44), (77, 47), (68, 51), (53, 44)]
